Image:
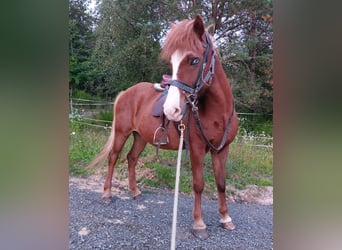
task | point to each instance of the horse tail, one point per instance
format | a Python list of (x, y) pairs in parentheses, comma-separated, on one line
[(102, 156)]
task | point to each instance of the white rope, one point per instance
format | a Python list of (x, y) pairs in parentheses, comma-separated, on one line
[(97, 120), (181, 127), (86, 100), (92, 104), (93, 125)]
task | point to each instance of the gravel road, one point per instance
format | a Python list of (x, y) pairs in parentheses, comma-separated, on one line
[(146, 223)]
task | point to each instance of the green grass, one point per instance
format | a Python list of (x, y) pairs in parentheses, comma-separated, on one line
[(247, 163), (165, 178), (85, 143)]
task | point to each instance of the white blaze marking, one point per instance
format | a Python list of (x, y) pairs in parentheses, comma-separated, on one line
[(176, 59), (172, 102)]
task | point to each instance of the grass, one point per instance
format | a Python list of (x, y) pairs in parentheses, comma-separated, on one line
[(84, 144), (250, 165), (249, 161), (164, 177)]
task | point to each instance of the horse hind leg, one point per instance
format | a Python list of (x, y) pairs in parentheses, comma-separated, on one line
[(132, 159), (118, 144)]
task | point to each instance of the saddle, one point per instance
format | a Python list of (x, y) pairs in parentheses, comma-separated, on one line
[(157, 108)]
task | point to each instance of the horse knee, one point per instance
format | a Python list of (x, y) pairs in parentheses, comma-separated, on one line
[(220, 183), (198, 187), (221, 187)]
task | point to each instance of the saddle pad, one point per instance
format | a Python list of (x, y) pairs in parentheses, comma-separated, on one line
[(157, 108)]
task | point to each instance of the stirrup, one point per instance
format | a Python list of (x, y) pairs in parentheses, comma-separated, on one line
[(160, 136)]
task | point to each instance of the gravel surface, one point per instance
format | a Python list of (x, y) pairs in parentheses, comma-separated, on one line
[(146, 223)]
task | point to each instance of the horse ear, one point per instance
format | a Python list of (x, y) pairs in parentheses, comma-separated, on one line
[(199, 27)]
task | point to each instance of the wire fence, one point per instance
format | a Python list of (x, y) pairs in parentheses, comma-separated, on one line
[(85, 111)]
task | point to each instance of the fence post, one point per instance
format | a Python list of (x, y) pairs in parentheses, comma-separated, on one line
[(71, 108)]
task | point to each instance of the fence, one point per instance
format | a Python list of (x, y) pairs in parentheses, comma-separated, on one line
[(83, 111)]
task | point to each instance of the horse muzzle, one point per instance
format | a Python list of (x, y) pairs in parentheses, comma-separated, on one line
[(172, 106), (173, 113)]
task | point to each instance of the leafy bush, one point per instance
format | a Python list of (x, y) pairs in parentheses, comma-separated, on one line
[(255, 123), (105, 115), (81, 94)]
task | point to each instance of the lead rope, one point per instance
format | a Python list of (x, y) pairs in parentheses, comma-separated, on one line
[(181, 128)]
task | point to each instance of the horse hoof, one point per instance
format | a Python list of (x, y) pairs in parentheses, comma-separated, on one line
[(138, 197), (106, 200), (228, 225), (200, 233)]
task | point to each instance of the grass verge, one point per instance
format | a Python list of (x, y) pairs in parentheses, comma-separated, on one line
[(250, 161)]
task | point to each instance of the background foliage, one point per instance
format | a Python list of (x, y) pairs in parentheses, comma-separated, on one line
[(117, 44)]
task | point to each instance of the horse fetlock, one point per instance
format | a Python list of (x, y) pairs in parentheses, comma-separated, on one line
[(226, 219), (106, 193), (199, 224)]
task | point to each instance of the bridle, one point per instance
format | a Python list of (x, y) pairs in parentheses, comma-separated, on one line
[(191, 94)]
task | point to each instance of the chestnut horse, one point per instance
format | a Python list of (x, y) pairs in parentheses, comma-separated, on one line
[(199, 94)]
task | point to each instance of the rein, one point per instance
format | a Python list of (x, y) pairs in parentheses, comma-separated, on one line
[(192, 100), (199, 125)]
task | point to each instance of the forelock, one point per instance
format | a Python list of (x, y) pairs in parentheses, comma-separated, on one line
[(182, 37)]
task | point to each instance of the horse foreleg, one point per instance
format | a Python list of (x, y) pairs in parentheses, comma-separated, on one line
[(119, 142), (199, 227), (132, 158), (219, 164)]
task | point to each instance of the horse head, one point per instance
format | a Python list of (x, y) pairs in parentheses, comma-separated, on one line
[(187, 49)]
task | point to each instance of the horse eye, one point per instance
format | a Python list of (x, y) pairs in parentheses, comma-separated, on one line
[(194, 61)]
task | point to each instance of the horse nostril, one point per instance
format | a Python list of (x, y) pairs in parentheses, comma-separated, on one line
[(177, 111)]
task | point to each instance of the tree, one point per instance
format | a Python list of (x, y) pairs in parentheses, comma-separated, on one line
[(127, 44), (243, 30), (243, 33), (81, 43)]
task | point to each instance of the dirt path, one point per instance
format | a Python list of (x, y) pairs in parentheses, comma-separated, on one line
[(146, 223)]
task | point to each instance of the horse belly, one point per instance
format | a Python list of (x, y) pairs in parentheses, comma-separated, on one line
[(148, 130), (143, 122)]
